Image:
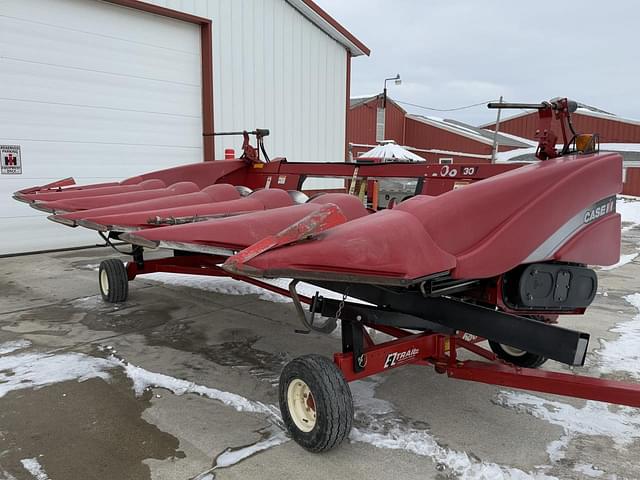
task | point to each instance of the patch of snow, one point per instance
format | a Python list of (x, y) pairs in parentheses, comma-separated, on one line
[(37, 370), (232, 456), (12, 346), (32, 465), (363, 392), (594, 419), (624, 259), (629, 210), (623, 353), (143, 379), (557, 449), (90, 302), (377, 425), (588, 470)]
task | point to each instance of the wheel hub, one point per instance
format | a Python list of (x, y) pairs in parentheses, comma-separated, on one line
[(302, 405), (514, 352), (104, 282)]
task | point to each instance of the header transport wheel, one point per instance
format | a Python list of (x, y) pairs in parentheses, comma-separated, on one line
[(113, 281), (518, 357), (315, 402)]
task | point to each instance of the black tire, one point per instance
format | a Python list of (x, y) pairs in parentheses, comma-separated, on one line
[(330, 400), (113, 281), (524, 359)]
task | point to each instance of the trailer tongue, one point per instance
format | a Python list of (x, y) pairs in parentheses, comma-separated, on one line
[(499, 260)]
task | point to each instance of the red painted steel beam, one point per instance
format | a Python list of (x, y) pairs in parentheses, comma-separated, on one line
[(205, 265), (570, 385), (404, 169), (388, 355)]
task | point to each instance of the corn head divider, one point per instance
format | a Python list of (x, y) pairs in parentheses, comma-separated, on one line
[(445, 270)]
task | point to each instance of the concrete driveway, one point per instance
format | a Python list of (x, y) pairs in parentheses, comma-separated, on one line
[(182, 378)]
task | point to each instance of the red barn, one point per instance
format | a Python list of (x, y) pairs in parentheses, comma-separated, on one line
[(616, 134), (435, 139), (587, 119)]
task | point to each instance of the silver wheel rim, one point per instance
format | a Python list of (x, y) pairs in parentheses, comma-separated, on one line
[(104, 282), (302, 405), (513, 351)]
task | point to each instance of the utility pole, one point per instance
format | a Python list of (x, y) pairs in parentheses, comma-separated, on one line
[(381, 111), (494, 150)]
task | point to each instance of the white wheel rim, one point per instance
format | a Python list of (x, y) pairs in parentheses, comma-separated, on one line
[(302, 405), (514, 352), (104, 282)]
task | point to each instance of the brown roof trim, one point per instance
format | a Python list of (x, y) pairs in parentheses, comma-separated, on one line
[(158, 10), (334, 23)]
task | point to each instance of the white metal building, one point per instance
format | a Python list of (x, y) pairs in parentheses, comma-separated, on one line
[(102, 90)]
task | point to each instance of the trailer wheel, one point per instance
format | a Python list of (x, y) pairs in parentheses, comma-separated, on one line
[(113, 281), (315, 402), (518, 357)]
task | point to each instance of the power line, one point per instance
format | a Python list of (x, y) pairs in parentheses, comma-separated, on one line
[(444, 109)]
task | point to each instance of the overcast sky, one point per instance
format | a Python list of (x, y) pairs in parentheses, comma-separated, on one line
[(458, 52)]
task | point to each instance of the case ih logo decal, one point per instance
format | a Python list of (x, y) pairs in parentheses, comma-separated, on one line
[(10, 161), (397, 358), (603, 207)]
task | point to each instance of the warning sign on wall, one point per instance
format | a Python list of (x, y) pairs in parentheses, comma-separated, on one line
[(11, 163)]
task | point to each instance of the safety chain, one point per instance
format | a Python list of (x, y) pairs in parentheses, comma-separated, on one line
[(341, 306)]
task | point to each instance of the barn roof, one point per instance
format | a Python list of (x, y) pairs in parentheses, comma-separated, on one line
[(362, 99), (474, 133), (583, 109)]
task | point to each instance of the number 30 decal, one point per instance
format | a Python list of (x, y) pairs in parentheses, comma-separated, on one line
[(447, 171)]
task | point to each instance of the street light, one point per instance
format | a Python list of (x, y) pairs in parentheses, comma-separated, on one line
[(397, 81)]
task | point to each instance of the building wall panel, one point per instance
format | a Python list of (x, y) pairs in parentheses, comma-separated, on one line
[(361, 124), (94, 91), (275, 69), (394, 123), (421, 135), (632, 181)]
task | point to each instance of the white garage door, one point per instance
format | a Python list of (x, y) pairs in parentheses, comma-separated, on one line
[(95, 91)]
